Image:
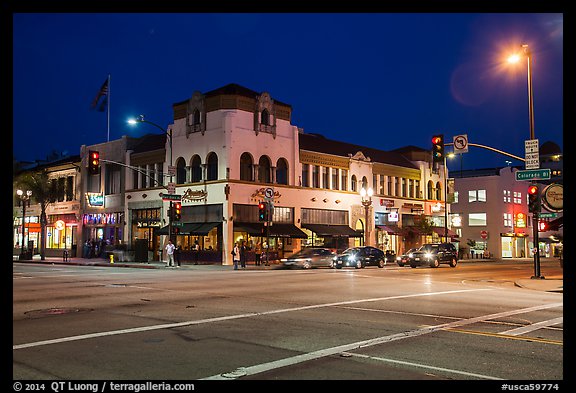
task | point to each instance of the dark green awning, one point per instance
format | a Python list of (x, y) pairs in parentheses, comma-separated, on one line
[(332, 230)]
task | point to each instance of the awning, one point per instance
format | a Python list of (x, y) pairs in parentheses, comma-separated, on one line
[(393, 230), (276, 230), (189, 228), (332, 230), (440, 232), (556, 224), (287, 230)]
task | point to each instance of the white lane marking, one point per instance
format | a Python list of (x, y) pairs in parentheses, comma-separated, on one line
[(419, 365), (226, 318), (260, 368), (534, 326)]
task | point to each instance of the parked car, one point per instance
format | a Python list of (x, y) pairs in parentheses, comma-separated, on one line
[(433, 254), (403, 260), (310, 257), (360, 257)]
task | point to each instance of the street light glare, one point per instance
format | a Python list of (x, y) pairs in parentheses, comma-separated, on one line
[(132, 121), (515, 58)]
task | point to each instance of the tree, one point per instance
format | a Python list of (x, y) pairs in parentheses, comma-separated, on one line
[(43, 194)]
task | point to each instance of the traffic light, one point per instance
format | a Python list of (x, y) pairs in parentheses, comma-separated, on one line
[(533, 199), (177, 211), (263, 211), (93, 162), (438, 148)]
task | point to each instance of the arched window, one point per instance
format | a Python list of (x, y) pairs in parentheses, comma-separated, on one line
[(196, 117), (265, 117), (365, 183), (196, 168), (246, 167), (180, 171), (353, 183), (430, 191), (212, 167), (264, 170), (438, 191), (282, 171)]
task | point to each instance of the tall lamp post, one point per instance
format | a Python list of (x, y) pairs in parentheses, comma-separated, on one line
[(366, 202), (25, 198), (514, 59), (140, 119)]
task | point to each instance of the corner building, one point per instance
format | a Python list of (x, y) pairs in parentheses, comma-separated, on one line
[(232, 145)]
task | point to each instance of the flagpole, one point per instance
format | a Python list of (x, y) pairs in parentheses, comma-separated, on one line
[(108, 140)]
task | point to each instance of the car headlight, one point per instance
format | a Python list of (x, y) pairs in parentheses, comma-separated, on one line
[(283, 260), (410, 255), (428, 255), (398, 258)]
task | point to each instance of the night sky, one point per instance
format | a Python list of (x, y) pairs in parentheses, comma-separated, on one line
[(383, 80)]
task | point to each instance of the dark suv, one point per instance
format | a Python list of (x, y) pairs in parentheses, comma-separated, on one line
[(360, 257), (433, 254)]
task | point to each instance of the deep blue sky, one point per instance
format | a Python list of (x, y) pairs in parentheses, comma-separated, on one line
[(384, 80)]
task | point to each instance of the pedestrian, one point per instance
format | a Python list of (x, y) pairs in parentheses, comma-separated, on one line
[(170, 254), (258, 253), (236, 255), (195, 252), (243, 255), (177, 254)]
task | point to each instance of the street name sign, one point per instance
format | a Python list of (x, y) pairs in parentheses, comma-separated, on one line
[(531, 154), (533, 174), (171, 197)]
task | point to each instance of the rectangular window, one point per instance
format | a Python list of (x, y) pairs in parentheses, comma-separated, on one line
[(344, 180), (325, 177), (507, 220), (389, 185), (417, 189), (381, 189), (334, 178), (477, 219), (70, 188), (477, 196), (517, 197), (305, 175), (315, 176), (112, 179), (507, 198), (455, 197)]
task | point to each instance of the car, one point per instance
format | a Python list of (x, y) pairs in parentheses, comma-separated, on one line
[(360, 257), (308, 258), (434, 254), (403, 260)]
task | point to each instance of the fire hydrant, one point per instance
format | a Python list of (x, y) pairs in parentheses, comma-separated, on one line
[(111, 258)]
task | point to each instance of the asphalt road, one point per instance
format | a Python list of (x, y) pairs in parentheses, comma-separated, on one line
[(395, 324)]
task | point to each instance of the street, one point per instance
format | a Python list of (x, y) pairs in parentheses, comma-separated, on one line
[(212, 323)]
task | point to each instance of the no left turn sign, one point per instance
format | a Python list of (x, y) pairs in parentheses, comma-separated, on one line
[(460, 144)]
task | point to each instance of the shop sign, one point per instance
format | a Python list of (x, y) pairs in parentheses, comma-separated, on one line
[(59, 225), (95, 199), (520, 220), (387, 202), (100, 219), (553, 197)]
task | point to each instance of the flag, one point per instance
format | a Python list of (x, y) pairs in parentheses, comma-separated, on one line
[(103, 92)]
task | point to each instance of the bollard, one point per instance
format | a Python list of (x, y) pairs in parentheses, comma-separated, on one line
[(65, 256), (111, 258)]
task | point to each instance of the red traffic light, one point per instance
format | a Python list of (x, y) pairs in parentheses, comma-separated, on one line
[(533, 190), (436, 140)]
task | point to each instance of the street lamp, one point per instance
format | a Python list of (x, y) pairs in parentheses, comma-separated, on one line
[(25, 198), (515, 58), (140, 119), (366, 202)]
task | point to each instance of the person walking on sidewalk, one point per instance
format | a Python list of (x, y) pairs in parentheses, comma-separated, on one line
[(236, 255), (170, 254), (177, 254), (243, 255)]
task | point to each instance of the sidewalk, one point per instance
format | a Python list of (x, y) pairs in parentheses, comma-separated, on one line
[(551, 283)]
